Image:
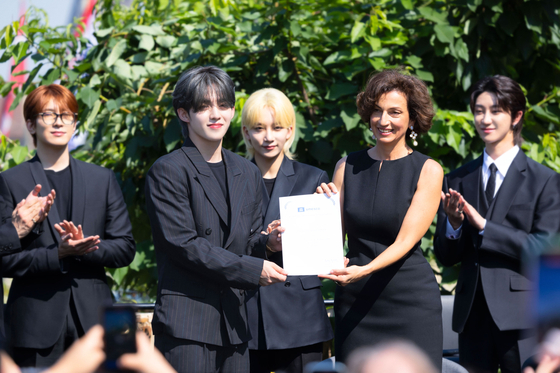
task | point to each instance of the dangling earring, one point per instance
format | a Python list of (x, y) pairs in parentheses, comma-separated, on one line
[(372, 134), (413, 136)]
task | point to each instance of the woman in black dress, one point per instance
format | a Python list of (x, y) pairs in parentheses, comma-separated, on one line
[(288, 321), (389, 195)]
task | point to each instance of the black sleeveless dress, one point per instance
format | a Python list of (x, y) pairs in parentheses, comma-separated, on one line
[(401, 301)]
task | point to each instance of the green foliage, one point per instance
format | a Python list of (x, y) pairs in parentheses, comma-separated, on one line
[(319, 53)]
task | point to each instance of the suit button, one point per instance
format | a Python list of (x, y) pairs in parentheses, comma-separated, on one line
[(208, 231), (287, 284)]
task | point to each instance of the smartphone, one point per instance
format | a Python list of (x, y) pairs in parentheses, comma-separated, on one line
[(120, 333)]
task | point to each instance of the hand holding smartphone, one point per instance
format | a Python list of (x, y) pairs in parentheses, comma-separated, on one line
[(119, 323)]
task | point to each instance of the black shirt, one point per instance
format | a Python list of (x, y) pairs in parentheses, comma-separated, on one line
[(61, 182), (219, 171), (269, 184)]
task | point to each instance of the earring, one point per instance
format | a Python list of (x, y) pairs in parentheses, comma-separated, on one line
[(372, 134), (413, 136)]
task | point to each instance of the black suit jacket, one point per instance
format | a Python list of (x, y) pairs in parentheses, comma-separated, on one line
[(202, 270), (9, 244), (290, 314), (40, 293), (524, 213)]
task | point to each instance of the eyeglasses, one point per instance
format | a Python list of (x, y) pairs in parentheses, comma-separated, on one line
[(51, 118)]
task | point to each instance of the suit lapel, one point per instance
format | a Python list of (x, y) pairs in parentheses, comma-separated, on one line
[(236, 189), (285, 181), (40, 177), (78, 193), (509, 188), (207, 180)]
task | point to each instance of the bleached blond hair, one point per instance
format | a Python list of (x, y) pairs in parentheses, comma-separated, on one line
[(283, 111)]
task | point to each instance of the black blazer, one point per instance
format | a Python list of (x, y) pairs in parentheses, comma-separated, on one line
[(290, 314), (9, 244), (203, 249), (524, 212), (40, 293)]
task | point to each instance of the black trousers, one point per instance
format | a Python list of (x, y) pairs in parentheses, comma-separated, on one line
[(483, 347), (292, 360), (45, 357), (187, 356)]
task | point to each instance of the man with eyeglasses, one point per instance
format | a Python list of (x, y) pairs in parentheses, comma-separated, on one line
[(59, 276)]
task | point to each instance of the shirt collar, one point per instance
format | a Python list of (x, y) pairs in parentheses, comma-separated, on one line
[(502, 163)]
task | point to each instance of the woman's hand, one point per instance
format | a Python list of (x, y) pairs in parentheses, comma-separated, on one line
[(347, 275), (328, 189), (453, 205)]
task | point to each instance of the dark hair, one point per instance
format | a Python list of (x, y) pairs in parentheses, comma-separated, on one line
[(419, 103), (510, 98), (40, 97), (196, 86)]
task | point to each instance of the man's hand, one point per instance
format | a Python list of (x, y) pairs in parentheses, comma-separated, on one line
[(74, 246), (274, 231), (272, 273), (475, 219), (31, 210), (453, 205)]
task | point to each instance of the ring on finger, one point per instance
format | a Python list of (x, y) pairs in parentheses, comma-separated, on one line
[(34, 221)]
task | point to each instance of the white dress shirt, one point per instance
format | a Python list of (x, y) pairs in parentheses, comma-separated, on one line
[(502, 165)]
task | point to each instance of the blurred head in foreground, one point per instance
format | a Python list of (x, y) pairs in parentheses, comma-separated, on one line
[(390, 357)]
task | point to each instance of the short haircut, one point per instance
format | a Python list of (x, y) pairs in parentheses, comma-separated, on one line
[(284, 115), (419, 103), (42, 95), (197, 85), (509, 95)]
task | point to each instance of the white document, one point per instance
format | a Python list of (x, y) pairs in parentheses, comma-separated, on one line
[(312, 242)]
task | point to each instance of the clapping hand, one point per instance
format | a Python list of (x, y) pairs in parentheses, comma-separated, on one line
[(455, 206), (31, 210), (274, 231), (73, 241)]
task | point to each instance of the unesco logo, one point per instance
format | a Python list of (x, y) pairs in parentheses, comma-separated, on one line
[(301, 209)]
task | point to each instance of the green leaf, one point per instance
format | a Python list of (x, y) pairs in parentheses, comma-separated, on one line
[(9, 35), (166, 41), (104, 32), (122, 69), (407, 4), (154, 30), (53, 75), (358, 30), (433, 15), (153, 68), (444, 33), (146, 42), (341, 89), (138, 259), (72, 75), (89, 96), (373, 41), (6, 88), (116, 52), (425, 75), (462, 50), (473, 4), (92, 115), (19, 153), (350, 117)]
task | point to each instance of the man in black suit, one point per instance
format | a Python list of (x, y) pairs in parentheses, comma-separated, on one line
[(59, 276), (17, 224), (512, 206), (204, 204)]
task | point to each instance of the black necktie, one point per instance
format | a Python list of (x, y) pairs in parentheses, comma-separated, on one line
[(491, 184)]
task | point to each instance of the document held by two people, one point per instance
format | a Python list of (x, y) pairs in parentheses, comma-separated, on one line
[(312, 243)]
